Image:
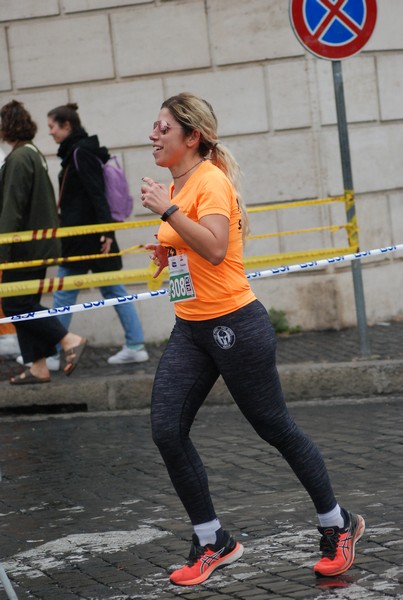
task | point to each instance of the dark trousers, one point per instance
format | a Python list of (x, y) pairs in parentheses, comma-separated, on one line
[(37, 337), (241, 347)]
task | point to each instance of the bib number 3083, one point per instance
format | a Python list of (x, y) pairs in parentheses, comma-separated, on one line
[(180, 281)]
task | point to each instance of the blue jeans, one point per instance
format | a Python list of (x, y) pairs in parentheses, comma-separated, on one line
[(126, 310)]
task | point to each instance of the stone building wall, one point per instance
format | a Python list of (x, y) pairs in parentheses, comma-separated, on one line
[(118, 59)]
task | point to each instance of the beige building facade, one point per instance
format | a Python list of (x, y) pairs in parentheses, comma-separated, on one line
[(118, 59)]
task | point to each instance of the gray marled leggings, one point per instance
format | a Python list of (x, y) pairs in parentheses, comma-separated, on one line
[(239, 346)]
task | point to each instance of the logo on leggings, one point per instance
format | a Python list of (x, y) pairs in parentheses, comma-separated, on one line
[(224, 337)]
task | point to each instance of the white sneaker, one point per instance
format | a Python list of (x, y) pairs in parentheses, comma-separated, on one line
[(9, 347), (128, 355), (52, 362)]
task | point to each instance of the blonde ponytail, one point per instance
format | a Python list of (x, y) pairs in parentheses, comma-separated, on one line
[(223, 158)]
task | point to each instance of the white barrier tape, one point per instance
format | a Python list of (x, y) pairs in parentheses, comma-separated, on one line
[(325, 262), (52, 312)]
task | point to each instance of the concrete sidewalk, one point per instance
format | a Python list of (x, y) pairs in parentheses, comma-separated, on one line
[(317, 364)]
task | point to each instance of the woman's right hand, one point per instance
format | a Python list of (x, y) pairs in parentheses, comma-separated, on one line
[(159, 256), (106, 243)]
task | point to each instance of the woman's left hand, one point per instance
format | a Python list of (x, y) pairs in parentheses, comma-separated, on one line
[(154, 196), (159, 256)]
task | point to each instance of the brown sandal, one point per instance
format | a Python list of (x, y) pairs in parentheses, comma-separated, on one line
[(26, 377), (72, 357)]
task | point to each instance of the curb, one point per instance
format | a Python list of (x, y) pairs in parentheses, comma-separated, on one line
[(305, 381), (360, 379)]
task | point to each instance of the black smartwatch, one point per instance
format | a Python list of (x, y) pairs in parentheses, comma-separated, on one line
[(169, 212)]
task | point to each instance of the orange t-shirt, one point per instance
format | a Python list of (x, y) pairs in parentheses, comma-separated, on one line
[(223, 288)]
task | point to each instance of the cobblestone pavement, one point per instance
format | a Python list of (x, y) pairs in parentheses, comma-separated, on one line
[(88, 512)]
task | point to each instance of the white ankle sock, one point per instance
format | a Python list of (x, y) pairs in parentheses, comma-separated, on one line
[(334, 518), (206, 532)]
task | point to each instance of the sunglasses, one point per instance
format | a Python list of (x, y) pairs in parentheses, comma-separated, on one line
[(163, 127)]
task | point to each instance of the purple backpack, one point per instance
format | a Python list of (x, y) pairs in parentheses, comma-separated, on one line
[(116, 188)]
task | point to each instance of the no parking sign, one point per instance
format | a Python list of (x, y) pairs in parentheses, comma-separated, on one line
[(337, 29), (333, 29)]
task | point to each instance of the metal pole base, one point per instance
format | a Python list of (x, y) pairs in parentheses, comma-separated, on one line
[(11, 595)]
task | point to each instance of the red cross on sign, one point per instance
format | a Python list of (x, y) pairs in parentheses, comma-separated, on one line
[(333, 29)]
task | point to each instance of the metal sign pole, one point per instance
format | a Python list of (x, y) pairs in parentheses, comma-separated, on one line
[(348, 187)]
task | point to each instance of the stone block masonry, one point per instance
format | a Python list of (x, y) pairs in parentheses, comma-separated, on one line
[(118, 59)]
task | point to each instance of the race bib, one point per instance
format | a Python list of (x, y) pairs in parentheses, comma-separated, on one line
[(180, 281)]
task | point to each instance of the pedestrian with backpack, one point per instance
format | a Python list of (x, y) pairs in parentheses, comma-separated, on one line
[(83, 201)]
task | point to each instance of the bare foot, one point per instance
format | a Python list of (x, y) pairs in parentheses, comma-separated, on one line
[(72, 356), (71, 340), (40, 369)]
